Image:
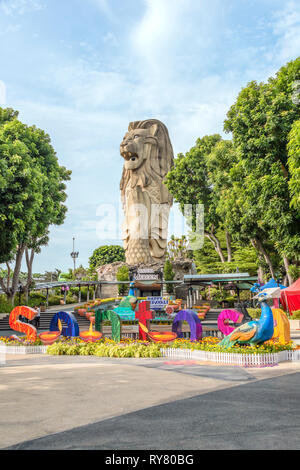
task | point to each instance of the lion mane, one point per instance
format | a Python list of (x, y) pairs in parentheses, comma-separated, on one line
[(159, 158)]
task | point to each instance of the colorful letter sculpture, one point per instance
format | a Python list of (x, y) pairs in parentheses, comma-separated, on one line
[(282, 331), (72, 328), (49, 337), (126, 308), (162, 336), (195, 324), (144, 315), (254, 332), (228, 314), (17, 325), (90, 336), (116, 324)]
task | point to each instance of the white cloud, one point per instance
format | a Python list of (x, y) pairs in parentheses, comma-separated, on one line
[(104, 7), (155, 34), (110, 38), (20, 7), (286, 26), (88, 87)]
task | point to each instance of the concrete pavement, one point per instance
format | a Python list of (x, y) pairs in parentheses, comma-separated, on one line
[(252, 416), (89, 402)]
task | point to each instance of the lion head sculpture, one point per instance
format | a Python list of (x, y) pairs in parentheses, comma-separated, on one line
[(148, 157)]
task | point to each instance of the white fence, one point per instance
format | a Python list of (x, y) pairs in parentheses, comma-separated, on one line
[(245, 360), (22, 349)]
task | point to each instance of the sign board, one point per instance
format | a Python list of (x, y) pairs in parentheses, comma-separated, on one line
[(146, 275), (157, 303)]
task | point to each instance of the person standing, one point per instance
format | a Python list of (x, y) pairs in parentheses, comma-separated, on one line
[(38, 317)]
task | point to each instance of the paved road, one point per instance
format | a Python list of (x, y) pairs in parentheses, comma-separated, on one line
[(66, 402), (259, 415)]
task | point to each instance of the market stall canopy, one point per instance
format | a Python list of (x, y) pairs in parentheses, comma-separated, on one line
[(239, 279), (147, 286), (290, 297)]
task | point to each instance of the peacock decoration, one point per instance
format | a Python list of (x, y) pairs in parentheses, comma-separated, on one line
[(253, 332)]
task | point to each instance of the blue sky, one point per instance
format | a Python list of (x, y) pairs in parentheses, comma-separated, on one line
[(83, 69)]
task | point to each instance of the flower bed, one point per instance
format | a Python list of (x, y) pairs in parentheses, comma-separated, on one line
[(21, 346), (211, 344), (106, 348), (207, 349)]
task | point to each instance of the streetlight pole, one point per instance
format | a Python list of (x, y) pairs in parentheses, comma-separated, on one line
[(74, 255)]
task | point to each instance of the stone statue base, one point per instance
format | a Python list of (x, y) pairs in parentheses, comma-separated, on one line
[(108, 272)]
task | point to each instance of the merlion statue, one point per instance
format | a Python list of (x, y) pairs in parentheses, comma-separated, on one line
[(148, 155)]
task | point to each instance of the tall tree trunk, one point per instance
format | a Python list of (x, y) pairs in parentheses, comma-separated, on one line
[(287, 265), (16, 275), (6, 286), (217, 245), (8, 275), (257, 244), (260, 274), (285, 281), (29, 262), (228, 244)]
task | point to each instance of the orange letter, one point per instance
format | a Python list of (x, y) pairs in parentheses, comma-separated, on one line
[(17, 325)]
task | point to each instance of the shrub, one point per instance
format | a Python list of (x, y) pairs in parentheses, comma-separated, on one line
[(54, 299), (122, 275), (295, 315), (105, 255), (106, 349), (71, 299), (5, 306), (169, 276), (37, 298)]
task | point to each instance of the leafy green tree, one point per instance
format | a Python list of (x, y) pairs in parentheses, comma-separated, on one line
[(189, 182), (122, 275), (51, 275), (69, 275), (258, 206), (32, 192), (80, 272), (294, 164), (243, 258), (105, 255), (178, 248), (169, 276)]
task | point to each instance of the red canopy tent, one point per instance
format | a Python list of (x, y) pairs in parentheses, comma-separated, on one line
[(290, 297)]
